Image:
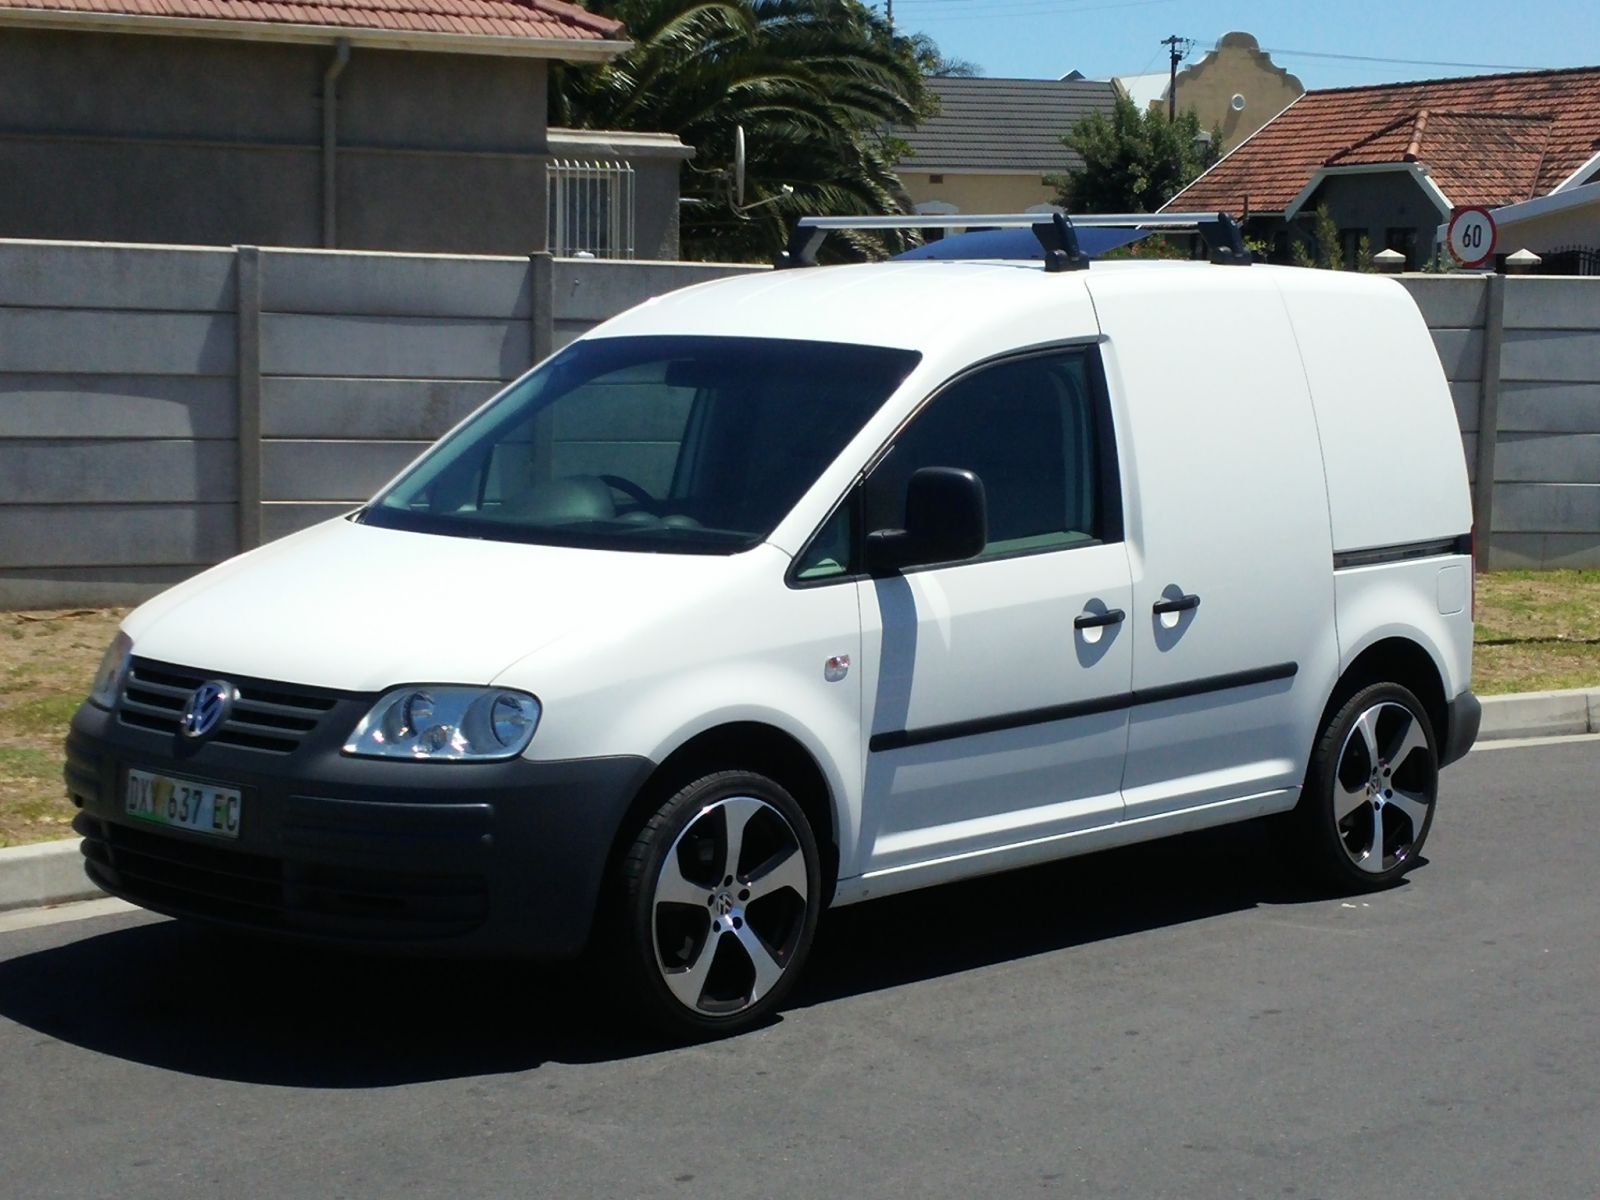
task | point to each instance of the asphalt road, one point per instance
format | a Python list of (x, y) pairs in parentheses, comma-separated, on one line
[(1170, 1021)]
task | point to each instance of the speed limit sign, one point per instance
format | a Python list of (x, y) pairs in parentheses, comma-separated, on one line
[(1472, 236)]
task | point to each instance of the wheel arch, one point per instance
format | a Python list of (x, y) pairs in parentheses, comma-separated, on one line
[(1395, 659), (751, 746)]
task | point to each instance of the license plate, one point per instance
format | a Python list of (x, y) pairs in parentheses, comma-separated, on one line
[(184, 803)]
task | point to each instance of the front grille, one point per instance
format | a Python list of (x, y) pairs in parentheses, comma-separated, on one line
[(178, 876), (270, 717)]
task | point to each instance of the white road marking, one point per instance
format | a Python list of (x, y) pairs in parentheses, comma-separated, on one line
[(1517, 743), (58, 914)]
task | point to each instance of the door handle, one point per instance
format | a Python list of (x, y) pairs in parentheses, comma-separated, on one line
[(1088, 620), (1177, 604)]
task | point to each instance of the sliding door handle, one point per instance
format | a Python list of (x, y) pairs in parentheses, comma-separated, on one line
[(1092, 620), (1177, 604)]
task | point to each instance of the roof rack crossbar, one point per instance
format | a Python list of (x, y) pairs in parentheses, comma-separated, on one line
[(1218, 230)]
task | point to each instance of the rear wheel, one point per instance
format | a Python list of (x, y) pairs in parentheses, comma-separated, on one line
[(721, 891), (1370, 790)]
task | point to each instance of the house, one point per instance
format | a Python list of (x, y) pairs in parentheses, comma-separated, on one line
[(1563, 228), (1235, 89), (358, 124), (1394, 161), (995, 142)]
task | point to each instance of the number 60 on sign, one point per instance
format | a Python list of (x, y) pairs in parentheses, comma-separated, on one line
[(1472, 237)]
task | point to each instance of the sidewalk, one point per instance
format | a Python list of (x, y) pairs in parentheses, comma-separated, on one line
[(52, 872)]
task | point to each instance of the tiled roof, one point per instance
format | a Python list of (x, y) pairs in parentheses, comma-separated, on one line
[(532, 19), (1004, 124), (1490, 139)]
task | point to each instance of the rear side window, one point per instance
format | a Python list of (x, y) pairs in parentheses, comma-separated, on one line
[(1032, 430)]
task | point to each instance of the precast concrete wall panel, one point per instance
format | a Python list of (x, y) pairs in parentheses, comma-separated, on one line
[(393, 347), (1545, 402), (118, 418), (394, 285), (127, 374), (353, 407), (117, 406), (326, 470)]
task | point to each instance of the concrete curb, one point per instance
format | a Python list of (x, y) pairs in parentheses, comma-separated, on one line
[(45, 873), (52, 872), (1540, 714)]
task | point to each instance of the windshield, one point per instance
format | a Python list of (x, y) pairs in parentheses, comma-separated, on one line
[(683, 444)]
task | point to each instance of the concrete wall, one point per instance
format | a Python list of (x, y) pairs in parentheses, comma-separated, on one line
[(1523, 358), (188, 141), (180, 140), (162, 408)]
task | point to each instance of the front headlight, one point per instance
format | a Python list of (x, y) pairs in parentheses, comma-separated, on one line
[(113, 671), (451, 724)]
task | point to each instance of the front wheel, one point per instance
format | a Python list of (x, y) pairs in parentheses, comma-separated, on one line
[(721, 891), (1370, 790)]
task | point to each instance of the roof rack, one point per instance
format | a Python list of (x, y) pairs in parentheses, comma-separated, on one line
[(1055, 232)]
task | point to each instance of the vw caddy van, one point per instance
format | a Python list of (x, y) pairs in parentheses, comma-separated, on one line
[(798, 589)]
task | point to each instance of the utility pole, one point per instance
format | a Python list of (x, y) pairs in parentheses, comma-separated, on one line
[(1177, 47), (889, 7)]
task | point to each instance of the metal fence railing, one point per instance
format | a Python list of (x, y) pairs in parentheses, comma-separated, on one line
[(1570, 260), (591, 208)]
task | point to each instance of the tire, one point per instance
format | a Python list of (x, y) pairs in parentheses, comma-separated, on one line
[(711, 942), (1370, 791)]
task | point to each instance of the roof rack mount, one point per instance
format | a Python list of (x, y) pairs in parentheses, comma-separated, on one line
[(1054, 230)]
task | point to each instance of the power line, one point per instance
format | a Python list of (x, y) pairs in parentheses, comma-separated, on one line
[(1402, 62), (1054, 6), (1048, 8)]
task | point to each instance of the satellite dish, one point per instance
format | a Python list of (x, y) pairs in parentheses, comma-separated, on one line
[(738, 166)]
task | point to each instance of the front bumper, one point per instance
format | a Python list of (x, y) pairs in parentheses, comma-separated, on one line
[(481, 858)]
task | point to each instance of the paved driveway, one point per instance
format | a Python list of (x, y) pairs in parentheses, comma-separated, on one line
[(1172, 1020)]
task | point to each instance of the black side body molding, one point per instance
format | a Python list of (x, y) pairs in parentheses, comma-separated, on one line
[(901, 738)]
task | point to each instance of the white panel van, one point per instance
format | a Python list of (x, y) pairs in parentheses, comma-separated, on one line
[(793, 590)]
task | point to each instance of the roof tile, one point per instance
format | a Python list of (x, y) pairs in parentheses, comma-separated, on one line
[(1004, 124), (553, 19), (1488, 139)]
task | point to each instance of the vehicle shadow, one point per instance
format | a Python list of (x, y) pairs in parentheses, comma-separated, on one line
[(182, 999)]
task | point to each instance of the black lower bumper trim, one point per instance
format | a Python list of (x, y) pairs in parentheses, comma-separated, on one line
[(497, 858), (1465, 718)]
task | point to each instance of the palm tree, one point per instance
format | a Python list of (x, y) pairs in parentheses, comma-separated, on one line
[(816, 85)]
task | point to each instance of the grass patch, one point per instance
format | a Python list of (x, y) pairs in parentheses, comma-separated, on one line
[(43, 714), (1538, 631), (30, 782), (47, 661)]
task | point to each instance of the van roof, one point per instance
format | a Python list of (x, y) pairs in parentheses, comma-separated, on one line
[(925, 305)]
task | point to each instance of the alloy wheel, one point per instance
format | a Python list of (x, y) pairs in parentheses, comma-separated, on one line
[(729, 906), (1384, 787)]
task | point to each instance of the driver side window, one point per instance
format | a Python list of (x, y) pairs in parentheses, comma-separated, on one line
[(1029, 428)]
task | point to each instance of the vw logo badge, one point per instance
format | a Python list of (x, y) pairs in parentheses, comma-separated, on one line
[(208, 708)]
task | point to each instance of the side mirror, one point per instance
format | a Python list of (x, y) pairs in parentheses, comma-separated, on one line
[(947, 520)]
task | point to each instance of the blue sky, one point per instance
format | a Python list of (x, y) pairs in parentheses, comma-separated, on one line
[(1044, 39)]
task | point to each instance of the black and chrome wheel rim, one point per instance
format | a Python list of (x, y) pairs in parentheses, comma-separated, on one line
[(1384, 788), (729, 906)]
